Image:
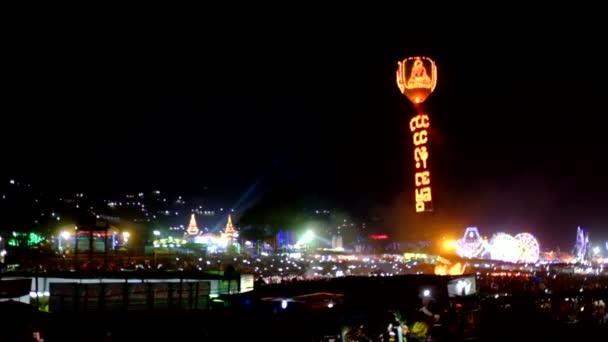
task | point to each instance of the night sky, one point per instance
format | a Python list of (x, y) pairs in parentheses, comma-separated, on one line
[(308, 99)]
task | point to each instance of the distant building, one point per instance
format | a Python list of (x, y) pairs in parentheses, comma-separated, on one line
[(285, 238), (336, 242), (229, 232), (192, 227)]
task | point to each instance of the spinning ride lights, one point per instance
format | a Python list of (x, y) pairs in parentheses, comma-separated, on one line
[(521, 248), (471, 245), (529, 249), (503, 247), (582, 244)]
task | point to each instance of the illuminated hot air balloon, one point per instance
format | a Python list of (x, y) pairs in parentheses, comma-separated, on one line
[(416, 78)]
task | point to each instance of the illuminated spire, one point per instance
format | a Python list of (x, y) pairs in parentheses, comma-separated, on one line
[(229, 231), (192, 227)]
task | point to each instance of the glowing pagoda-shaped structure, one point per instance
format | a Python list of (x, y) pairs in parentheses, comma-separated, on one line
[(192, 227), (229, 232)]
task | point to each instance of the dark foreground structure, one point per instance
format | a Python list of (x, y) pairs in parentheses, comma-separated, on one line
[(321, 311)]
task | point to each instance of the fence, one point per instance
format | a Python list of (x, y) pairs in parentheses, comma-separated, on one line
[(83, 297)]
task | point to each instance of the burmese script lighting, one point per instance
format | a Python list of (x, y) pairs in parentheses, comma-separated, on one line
[(419, 121), (422, 176), (421, 155), (416, 78), (420, 138)]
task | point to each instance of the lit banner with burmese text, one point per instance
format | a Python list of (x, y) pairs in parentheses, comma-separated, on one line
[(422, 178), (416, 79)]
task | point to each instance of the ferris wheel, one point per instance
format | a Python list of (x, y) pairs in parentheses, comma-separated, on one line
[(529, 248), (504, 247)]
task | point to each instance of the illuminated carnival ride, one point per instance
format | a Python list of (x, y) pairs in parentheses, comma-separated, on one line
[(521, 248), (582, 245)]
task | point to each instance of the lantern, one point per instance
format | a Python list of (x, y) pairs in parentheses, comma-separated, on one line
[(416, 78)]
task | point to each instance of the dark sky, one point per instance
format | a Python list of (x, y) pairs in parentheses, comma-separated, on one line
[(307, 97)]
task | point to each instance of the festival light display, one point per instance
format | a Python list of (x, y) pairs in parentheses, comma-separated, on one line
[(169, 242), (229, 232), (528, 247), (416, 79), (521, 248), (422, 177), (471, 245), (456, 269), (582, 245), (25, 239), (503, 247)]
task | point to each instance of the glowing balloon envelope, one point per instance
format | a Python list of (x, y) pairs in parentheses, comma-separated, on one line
[(416, 78)]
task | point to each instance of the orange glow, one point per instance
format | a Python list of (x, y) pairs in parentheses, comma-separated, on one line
[(449, 245), (421, 155), (423, 196), (456, 269), (422, 178), (419, 121), (421, 137), (417, 78), (443, 260)]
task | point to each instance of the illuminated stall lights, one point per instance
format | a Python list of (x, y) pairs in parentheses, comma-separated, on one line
[(30, 239), (511, 274), (169, 243)]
